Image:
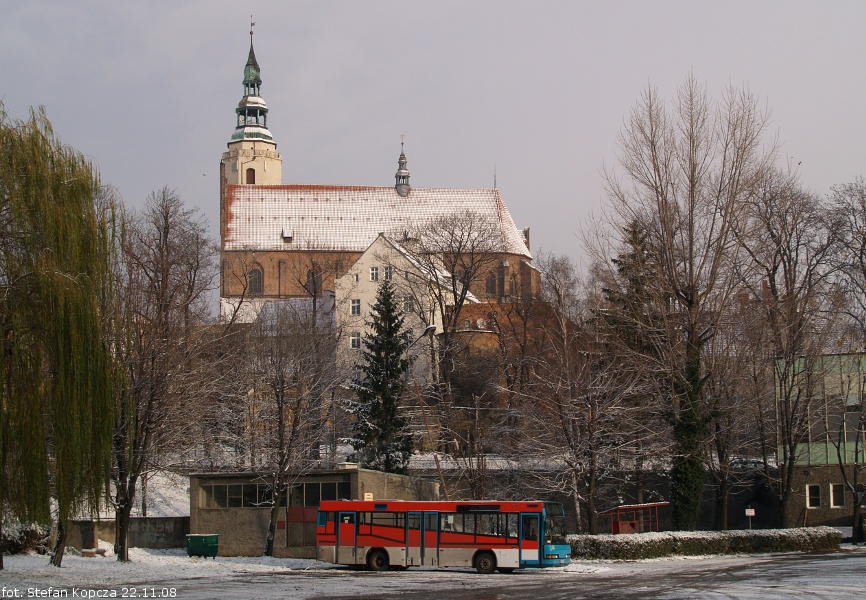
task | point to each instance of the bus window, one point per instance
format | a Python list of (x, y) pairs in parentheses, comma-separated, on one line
[(430, 521), (530, 527), (489, 524), (511, 527), (458, 523), (554, 523), (414, 521)]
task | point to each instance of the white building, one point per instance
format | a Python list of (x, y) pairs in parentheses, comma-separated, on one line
[(386, 260)]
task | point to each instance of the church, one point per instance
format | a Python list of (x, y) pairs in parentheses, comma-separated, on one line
[(284, 241)]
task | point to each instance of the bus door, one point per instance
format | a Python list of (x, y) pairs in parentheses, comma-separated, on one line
[(414, 538), (431, 538), (346, 538), (530, 547)]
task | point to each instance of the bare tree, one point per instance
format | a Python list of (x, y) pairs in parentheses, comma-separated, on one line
[(585, 404), (453, 254), (790, 273), (848, 210), (164, 270), (848, 204), (732, 433), (293, 349), (688, 171)]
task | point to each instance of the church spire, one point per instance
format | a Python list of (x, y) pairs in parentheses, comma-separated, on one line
[(402, 175), (252, 112)]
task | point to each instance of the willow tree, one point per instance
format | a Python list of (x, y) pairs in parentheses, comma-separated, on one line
[(688, 168), (55, 402)]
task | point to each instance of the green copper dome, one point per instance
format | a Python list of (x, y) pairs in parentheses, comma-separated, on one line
[(252, 112)]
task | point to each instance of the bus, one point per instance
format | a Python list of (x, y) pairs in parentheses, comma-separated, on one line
[(486, 535)]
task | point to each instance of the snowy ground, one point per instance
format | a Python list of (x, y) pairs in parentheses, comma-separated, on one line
[(170, 573)]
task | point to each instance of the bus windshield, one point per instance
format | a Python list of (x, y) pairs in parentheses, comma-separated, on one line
[(554, 523)]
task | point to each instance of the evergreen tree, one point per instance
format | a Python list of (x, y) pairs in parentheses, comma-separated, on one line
[(382, 440)]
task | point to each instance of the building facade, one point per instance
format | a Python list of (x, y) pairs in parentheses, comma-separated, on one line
[(237, 506), (830, 462)]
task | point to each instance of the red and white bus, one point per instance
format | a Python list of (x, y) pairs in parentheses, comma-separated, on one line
[(486, 535)]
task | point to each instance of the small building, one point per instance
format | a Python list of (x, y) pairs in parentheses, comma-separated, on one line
[(830, 459), (237, 506), (637, 518)]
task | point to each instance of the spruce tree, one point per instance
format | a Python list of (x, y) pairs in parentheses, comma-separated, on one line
[(382, 440)]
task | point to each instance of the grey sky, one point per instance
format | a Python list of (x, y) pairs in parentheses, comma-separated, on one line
[(538, 89)]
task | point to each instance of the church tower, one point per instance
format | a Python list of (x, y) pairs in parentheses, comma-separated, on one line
[(252, 156), (401, 177)]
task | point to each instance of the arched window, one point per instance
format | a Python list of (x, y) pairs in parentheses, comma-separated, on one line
[(256, 281), (491, 284), (251, 176)]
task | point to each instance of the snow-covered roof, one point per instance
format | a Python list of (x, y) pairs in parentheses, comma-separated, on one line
[(348, 218)]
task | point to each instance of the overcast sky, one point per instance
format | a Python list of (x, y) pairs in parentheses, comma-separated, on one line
[(535, 90)]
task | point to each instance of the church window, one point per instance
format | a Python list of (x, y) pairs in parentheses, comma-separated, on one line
[(374, 273), (512, 286), (356, 307), (408, 304), (355, 340), (314, 281), (256, 281), (491, 285), (251, 176)]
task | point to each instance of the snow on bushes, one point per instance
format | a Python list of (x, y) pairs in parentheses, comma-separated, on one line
[(21, 537), (696, 543)]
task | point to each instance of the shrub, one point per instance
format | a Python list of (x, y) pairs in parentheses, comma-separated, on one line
[(696, 543), (19, 537)]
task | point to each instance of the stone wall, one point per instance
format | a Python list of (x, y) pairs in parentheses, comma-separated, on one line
[(144, 532)]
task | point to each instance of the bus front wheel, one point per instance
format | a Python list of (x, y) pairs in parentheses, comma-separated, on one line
[(485, 563), (378, 560)]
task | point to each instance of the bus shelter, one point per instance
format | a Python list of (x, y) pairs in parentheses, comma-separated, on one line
[(635, 518)]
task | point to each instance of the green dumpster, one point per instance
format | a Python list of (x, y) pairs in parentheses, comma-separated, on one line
[(202, 544)]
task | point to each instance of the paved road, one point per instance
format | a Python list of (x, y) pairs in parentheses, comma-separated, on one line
[(766, 577)]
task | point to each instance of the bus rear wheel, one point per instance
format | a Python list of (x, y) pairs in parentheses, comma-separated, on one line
[(485, 563), (378, 560)]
